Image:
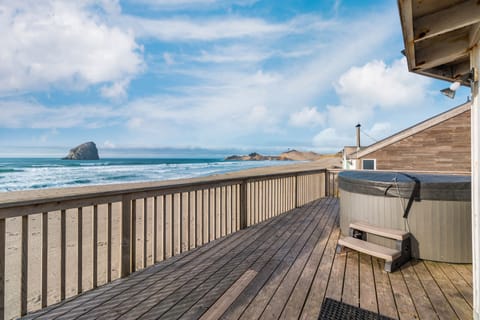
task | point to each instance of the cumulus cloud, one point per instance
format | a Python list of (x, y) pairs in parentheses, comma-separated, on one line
[(366, 92), (307, 117), (66, 44), (374, 87), (381, 85), (232, 80)]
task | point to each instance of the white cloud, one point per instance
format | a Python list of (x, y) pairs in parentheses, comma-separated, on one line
[(380, 130), (365, 93), (191, 4), (307, 117), (117, 90), (234, 53), (378, 84), (65, 44), (243, 93), (168, 58), (24, 114), (185, 29)]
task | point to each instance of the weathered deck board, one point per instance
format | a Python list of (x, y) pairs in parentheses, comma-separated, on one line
[(282, 268), (422, 303)]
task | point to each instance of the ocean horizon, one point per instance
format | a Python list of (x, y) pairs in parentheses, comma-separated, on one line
[(41, 173)]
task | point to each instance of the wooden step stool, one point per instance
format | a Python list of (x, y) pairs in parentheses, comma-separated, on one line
[(357, 241)]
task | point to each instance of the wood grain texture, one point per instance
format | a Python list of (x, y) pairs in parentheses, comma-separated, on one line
[(279, 269), (443, 147)]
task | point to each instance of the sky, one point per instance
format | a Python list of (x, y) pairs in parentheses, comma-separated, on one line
[(139, 76)]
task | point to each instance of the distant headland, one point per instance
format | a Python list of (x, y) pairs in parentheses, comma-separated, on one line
[(291, 155), (85, 151)]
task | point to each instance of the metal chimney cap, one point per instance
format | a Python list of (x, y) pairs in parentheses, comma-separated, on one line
[(358, 126)]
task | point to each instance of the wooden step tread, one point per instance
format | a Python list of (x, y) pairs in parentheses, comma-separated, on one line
[(369, 248), (379, 231)]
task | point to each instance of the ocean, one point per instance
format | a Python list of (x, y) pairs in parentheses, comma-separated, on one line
[(40, 173)]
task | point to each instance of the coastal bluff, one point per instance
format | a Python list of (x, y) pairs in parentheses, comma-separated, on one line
[(291, 155), (252, 157), (85, 151)]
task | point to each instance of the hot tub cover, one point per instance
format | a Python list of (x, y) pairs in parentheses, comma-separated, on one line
[(406, 185)]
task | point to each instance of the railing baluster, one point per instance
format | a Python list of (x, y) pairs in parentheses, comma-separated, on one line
[(168, 209), (24, 272), (217, 213), (243, 204), (184, 222), (154, 230), (63, 253), (160, 227), (79, 250), (177, 211), (192, 220), (95, 246), (44, 259), (205, 215), (210, 214), (126, 247), (198, 218), (109, 240), (145, 232)]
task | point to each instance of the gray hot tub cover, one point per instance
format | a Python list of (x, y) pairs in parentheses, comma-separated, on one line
[(394, 184)]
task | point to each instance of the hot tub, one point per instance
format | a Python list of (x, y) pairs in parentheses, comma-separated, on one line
[(436, 208)]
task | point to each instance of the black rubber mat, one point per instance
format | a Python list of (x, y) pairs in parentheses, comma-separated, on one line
[(332, 310)]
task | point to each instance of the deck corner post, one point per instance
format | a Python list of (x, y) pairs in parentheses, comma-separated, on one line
[(243, 204), (126, 236)]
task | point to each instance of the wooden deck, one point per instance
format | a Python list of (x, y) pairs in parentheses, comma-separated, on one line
[(281, 268)]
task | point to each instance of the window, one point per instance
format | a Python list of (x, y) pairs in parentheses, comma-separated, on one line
[(369, 164)]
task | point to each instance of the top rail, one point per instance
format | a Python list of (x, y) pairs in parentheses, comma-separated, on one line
[(62, 198)]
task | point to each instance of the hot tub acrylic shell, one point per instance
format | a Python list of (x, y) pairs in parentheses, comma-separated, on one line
[(439, 219)]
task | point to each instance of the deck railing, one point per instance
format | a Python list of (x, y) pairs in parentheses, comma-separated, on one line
[(55, 244)]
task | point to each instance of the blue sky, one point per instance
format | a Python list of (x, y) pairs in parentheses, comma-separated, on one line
[(232, 75)]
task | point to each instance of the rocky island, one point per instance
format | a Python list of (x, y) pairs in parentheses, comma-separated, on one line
[(85, 151)]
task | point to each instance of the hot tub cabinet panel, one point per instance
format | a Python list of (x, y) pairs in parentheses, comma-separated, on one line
[(440, 228)]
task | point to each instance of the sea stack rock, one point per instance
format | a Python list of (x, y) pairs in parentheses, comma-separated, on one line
[(85, 151)]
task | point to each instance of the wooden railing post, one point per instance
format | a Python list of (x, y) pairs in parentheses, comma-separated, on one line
[(126, 248), (2, 269), (243, 204)]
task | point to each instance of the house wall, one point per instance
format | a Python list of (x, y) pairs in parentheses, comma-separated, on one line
[(443, 147)]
